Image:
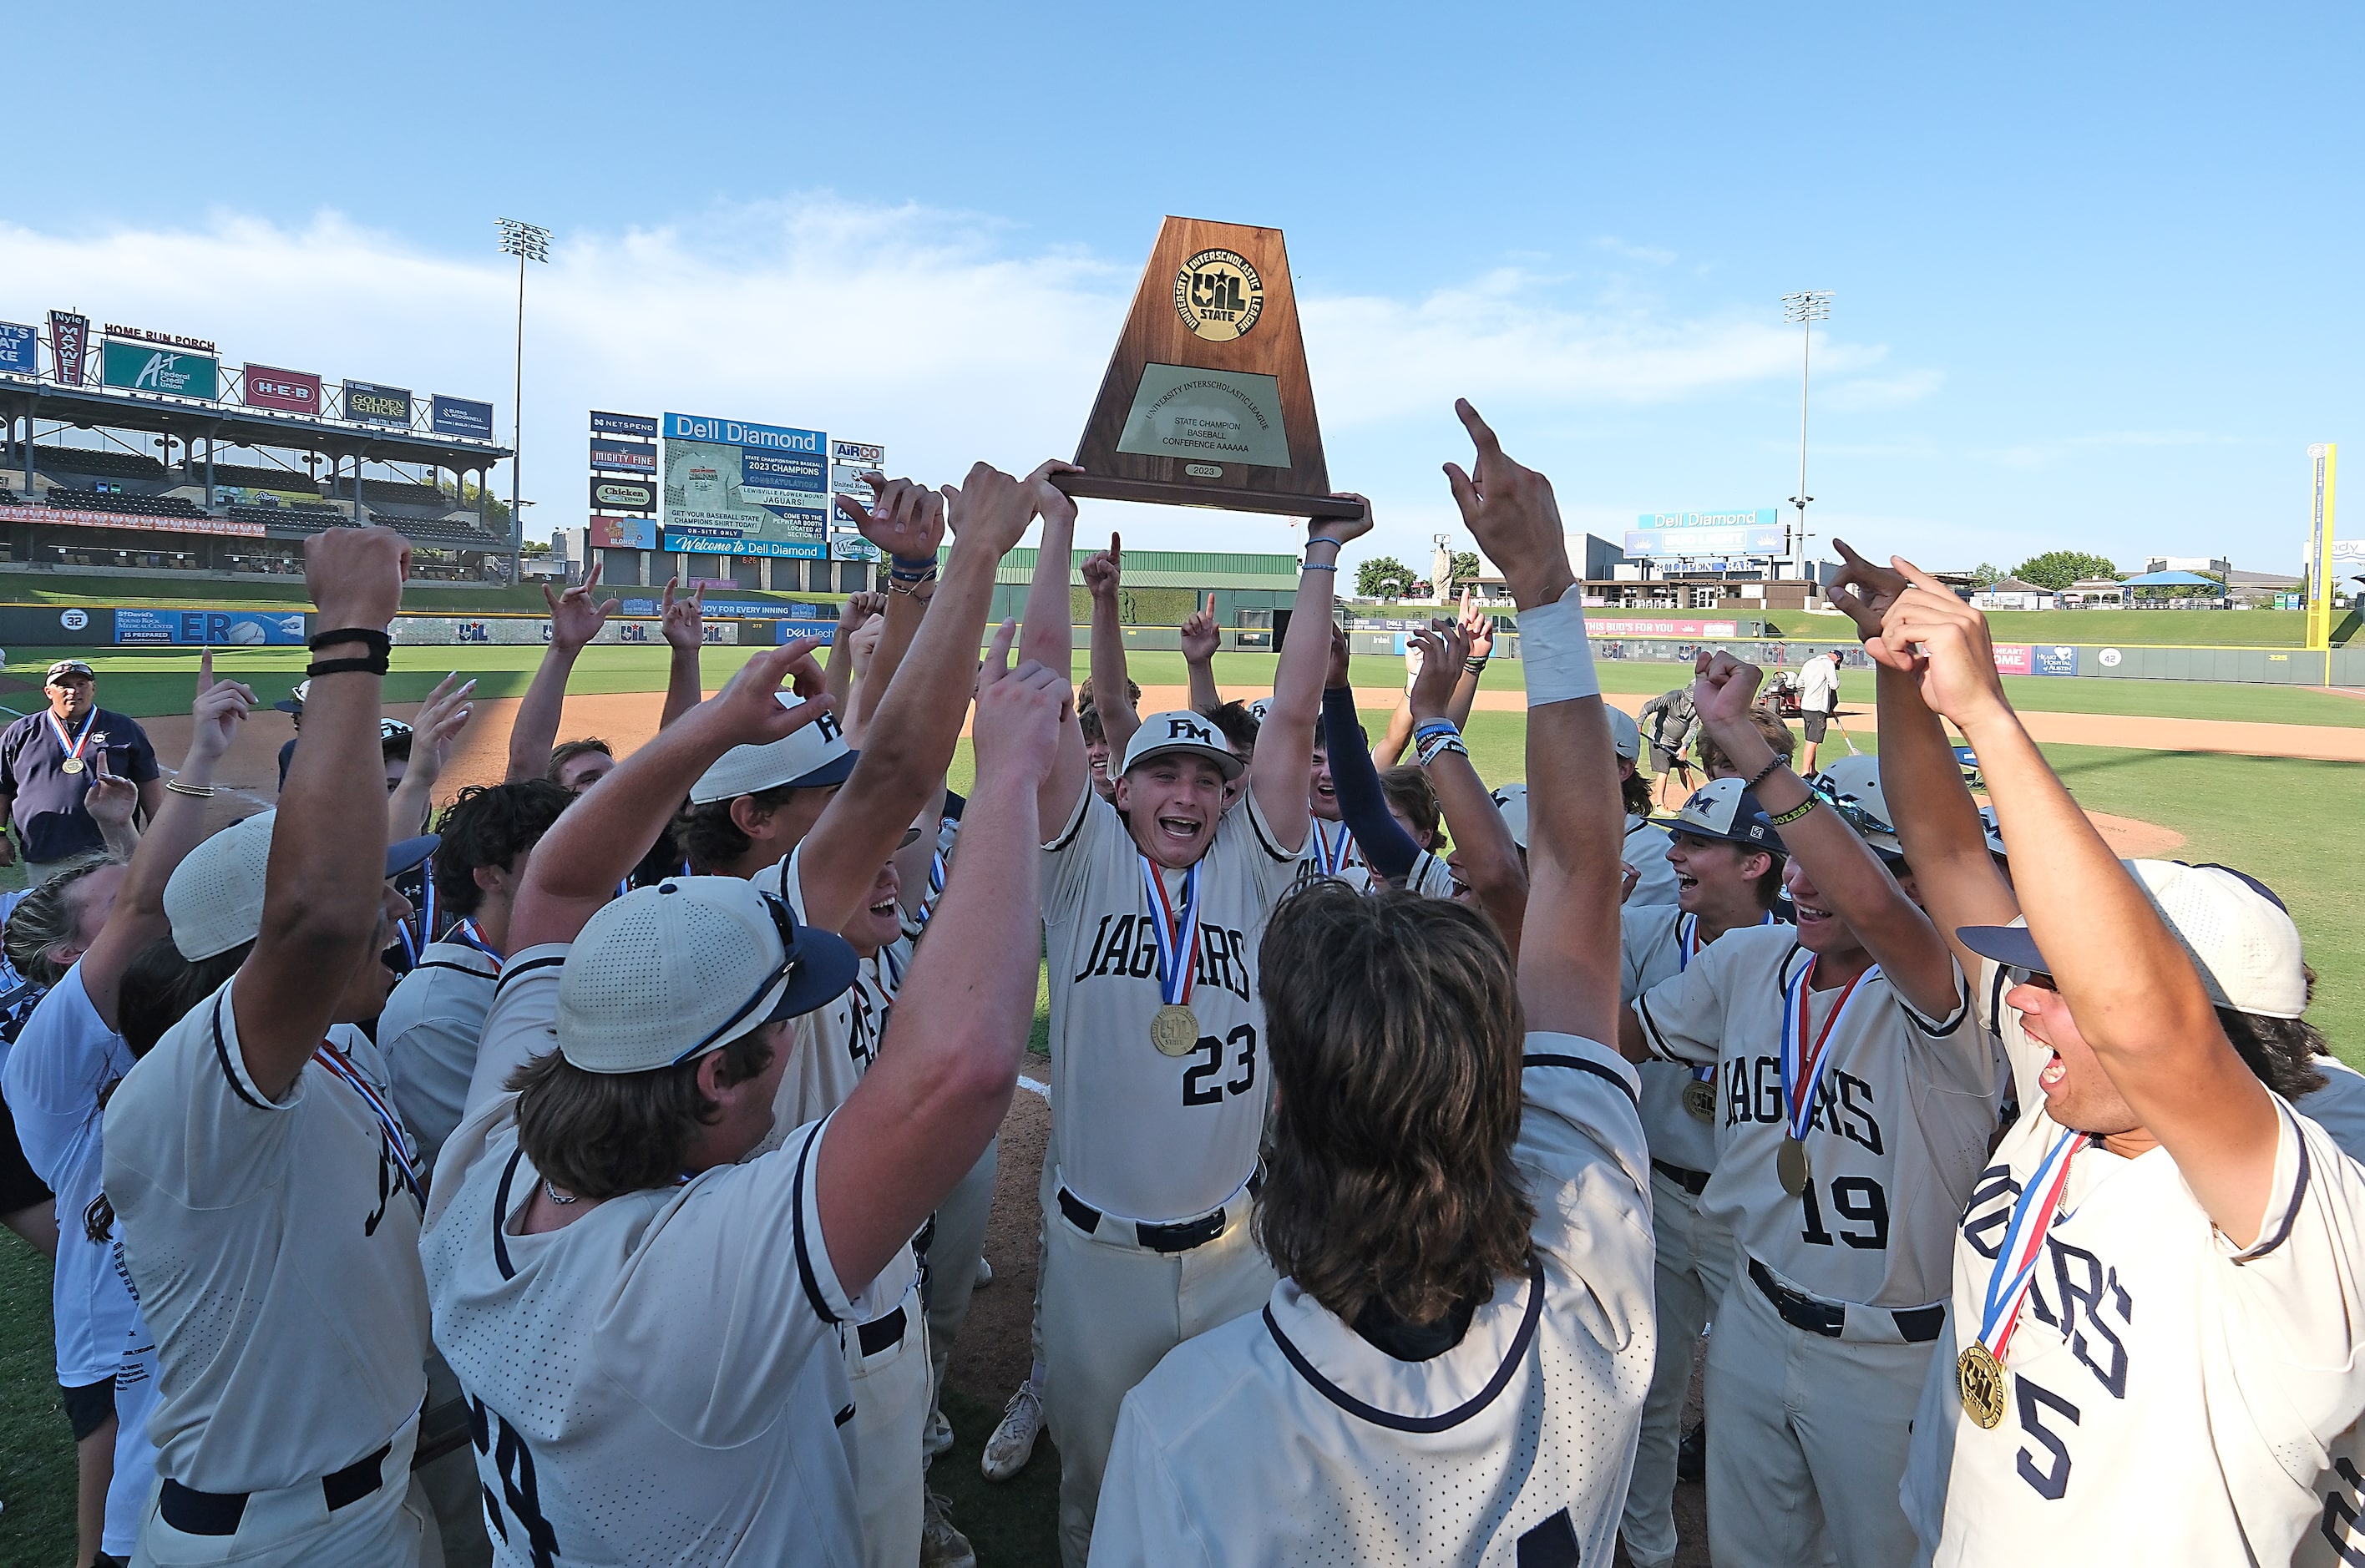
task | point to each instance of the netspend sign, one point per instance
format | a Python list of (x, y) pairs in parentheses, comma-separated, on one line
[(735, 488)]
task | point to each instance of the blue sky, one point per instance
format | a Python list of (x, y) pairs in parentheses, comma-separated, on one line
[(2094, 272)]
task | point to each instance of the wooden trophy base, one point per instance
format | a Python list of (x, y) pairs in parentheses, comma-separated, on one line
[(1165, 492)]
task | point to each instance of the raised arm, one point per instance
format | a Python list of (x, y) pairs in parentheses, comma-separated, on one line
[(1937, 823), (1201, 639), (112, 801), (1047, 638), (1568, 944), (438, 722), (324, 900), (906, 522), (575, 619), (1362, 805), (2132, 987), (683, 622), (1485, 856), (1478, 632), (909, 741), (1285, 753), (179, 825), (1848, 878), (852, 616), (949, 1059), (1104, 572)]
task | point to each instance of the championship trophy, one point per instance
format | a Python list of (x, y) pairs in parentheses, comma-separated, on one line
[(1207, 401)]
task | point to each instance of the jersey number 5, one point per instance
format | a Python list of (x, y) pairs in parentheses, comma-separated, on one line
[(1199, 1085)]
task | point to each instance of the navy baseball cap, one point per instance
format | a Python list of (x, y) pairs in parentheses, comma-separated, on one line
[(1724, 810)]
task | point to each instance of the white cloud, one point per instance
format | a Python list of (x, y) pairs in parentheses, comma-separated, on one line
[(1880, 391), (2060, 449)]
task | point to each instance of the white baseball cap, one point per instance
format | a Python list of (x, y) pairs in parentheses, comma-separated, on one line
[(1180, 730), (671, 972), (2240, 937), (1625, 735), (811, 757), (1723, 810), (1512, 800), (214, 898), (1259, 707), (1853, 784)]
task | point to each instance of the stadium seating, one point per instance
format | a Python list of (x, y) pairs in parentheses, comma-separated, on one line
[(99, 463), (295, 521), (126, 505), (248, 476), (438, 534), (386, 493)]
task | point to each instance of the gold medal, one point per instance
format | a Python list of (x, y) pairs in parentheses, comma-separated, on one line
[(1175, 1030), (1699, 1099), (1791, 1168), (1978, 1377), (71, 765)]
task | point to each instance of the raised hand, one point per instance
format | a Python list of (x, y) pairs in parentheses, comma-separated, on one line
[(905, 520), (1103, 570), (1442, 654), (354, 575), (682, 619), (576, 617), (1477, 625), (439, 721), (1724, 687), (1863, 591), (992, 508), (110, 800), (1341, 671), (1345, 530), (214, 718), (1510, 509), (1051, 501), (1201, 637), (1019, 712), (753, 709), (856, 611), (1944, 644)]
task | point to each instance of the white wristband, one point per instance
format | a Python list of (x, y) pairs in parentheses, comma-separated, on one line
[(1554, 652)]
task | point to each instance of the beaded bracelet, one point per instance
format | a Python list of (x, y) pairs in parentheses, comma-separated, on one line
[(1763, 774)]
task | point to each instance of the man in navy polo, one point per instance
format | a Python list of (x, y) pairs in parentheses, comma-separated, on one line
[(48, 761)]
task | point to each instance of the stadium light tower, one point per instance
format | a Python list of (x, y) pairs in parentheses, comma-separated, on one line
[(1806, 309), (527, 242)]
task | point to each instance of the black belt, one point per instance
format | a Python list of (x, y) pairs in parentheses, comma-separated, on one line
[(1181, 1236), (881, 1333), (193, 1512), (1691, 1181), (1915, 1325)]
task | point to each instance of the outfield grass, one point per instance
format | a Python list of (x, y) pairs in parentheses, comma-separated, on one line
[(2127, 628), (165, 592)]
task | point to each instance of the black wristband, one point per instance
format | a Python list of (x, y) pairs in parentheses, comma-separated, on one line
[(375, 664), (1764, 773), (378, 642)]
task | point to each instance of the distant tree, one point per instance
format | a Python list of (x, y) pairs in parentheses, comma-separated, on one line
[(1465, 571), (1985, 574), (1383, 577), (2059, 568)]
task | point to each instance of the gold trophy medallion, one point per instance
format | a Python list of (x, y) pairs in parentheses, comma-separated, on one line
[(1699, 1099), (71, 765), (1791, 1168), (1978, 1377), (1175, 1029)]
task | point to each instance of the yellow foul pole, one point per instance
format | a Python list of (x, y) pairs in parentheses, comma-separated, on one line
[(2325, 456)]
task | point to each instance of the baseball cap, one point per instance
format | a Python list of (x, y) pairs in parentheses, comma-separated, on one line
[(1180, 730), (668, 973), (1259, 707), (214, 899), (1512, 800), (1994, 832), (1625, 735), (1723, 810), (1852, 786), (69, 667), (2240, 938), (812, 757), (294, 701)]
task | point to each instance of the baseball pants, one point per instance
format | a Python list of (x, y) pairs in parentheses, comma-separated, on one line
[(1694, 1268), (890, 1418), (392, 1527), (1111, 1309), (953, 1253), (1807, 1438)]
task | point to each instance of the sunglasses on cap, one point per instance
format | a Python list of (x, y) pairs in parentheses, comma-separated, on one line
[(785, 924), (1852, 811)]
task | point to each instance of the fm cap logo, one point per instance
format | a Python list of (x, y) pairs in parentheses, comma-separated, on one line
[(1185, 729), (1218, 296)]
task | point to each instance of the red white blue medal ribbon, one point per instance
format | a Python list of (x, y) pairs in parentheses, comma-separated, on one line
[(2024, 1241), (406, 1153), (468, 933), (1329, 857), (1687, 947), (1176, 932), (1802, 1063), (73, 748)]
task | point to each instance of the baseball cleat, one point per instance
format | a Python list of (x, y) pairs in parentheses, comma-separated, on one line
[(1013, 1444)]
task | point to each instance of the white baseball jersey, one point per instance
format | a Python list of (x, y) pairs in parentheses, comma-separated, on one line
[(1903, 1106), (2339, 1106), (59, 1078), (1285, 1436), (1142, 1134), (1655, 942), (1429, 876), (660, 1381), (2168, 1397), (1645, 849), (2337, 1538), (274, 1246), (428, 1034)]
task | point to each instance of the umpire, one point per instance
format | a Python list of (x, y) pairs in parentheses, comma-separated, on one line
[(48, 762)]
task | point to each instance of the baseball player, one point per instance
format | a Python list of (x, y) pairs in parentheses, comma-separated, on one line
[(266, 1188), (649, 1321), (1853, 1111), (1362, 795), (1486, 865), (1819, 699), (1728, 865), (1152, 906), (1452, 1369), (1645, 844), (2156, 1288)]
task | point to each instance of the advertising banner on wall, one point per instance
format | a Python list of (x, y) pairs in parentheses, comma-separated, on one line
[(734, 487), (534, 631), (69, 340), (642, 426), (373, 404), (20, 350), (145, 368), (623, 494), (68, 517), (1645, 626), (211, 628), (632, 457), (2054, 659), (851, 548), (2013, 658), (292, 391), (460, 416), (849, 461), (623, 532)]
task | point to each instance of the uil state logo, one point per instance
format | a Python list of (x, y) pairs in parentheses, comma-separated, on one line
[(1218, 296)]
